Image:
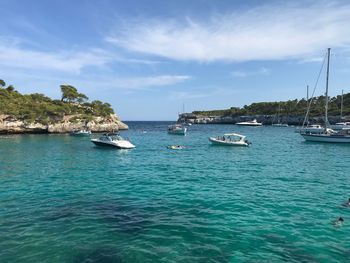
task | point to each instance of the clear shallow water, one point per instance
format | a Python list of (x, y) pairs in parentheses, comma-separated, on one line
[(64, 200)]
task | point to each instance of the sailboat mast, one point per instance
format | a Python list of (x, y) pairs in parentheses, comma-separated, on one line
[(341, 104), (326, 108)]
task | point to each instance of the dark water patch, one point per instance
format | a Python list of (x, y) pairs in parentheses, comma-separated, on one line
[(287, 249), (97, 255), (122, 217), (60, 214)]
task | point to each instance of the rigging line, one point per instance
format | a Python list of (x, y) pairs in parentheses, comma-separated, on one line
[(313, 92)]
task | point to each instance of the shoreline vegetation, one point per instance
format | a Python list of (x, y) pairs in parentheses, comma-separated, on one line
[(37, 113), (291, 112)]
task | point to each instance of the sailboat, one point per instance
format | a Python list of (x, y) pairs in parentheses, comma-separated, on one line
[(279, 124), (328, 135), (341, 125), (307, 127)]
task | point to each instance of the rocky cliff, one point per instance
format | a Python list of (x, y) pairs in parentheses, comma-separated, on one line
[(265, 119), (12, 125)]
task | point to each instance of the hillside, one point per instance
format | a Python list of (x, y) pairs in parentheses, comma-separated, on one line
[(39, 113), (287, 108)]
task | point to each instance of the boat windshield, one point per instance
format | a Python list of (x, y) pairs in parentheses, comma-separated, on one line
[(111, 137)]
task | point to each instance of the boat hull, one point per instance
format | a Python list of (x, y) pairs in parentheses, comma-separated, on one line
[(280, 125), (178, 132), (227, 143), (125, 145), (249, 124), (326, 138), (80, 134)]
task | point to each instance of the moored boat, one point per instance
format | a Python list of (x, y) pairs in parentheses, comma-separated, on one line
[(280, 125), (249, 123), (177, 129), (80, 133), (113, 140), (230, 139), (340, 126), (328, 135), (277, 116), (313, 129)]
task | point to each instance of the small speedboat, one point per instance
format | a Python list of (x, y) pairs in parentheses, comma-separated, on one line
[(113, 140), (80, 133), (249, 123), (230, 139), (177, 129)]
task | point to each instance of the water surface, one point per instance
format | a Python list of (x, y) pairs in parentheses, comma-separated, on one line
[(64, 200)]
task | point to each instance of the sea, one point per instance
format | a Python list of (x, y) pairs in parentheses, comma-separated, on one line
[(62, 199)]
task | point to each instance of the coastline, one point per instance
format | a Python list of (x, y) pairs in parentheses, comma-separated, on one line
[(13, 125), (265, 119)]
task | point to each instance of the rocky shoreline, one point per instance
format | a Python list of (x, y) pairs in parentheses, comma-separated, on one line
[(265, 119), (12, 125)]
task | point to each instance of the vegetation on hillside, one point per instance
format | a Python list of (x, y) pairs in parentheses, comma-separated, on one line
[(37, 107), (287, 108)]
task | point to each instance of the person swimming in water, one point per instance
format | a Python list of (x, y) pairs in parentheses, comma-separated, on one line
[(338, 222)]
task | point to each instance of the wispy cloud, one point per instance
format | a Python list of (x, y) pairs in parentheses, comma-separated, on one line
[(13, 54), (141, 83), (243, 73), (264, 33), (67, 61), (154, 81), (207, 93)]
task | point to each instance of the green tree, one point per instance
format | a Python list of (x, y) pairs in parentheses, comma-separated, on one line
[(82, 98), (2, 83), (69, 93), (10, 88)]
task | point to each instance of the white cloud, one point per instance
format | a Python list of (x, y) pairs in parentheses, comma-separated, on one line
[(69, 61), (135, 83), (242, 74), (262, 33), (138, 83), (13, 55)]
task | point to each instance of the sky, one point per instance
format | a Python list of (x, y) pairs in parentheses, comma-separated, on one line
[(151, 58)]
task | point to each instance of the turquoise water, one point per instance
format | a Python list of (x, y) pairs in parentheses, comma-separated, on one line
[(64, 200)]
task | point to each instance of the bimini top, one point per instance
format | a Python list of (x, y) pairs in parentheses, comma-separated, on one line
[(235, 134)]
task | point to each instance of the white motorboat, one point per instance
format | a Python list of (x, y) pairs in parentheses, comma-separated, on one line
[(177, 129), (249, 123), (80, 133), (230, 139), (313, 129), (113, 140), (328, 135)]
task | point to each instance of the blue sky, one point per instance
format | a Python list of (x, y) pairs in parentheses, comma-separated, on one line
[(148, 58)]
